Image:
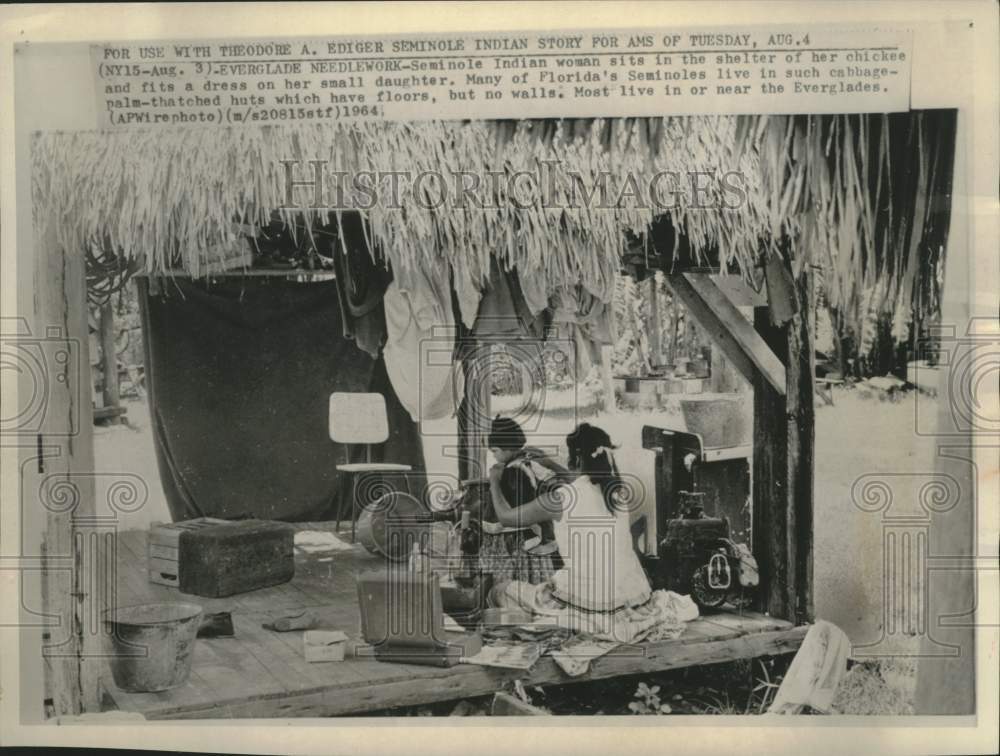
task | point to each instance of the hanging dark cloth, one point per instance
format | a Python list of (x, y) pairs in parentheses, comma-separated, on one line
[(503, 311), (239, 376), (361, 285)]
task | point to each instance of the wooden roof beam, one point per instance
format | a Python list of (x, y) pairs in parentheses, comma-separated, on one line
[(732, 332)]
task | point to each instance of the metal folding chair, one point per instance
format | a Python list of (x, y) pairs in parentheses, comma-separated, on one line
[(356, 418)]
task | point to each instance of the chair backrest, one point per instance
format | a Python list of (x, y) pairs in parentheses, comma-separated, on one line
[(358, 418)]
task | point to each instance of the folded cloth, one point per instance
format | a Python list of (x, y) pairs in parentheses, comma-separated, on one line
[(574, 656), (662, 616), (303, 620), (815, 672), (318, 541)]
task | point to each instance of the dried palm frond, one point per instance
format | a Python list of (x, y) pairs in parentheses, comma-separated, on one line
[(843, 190)]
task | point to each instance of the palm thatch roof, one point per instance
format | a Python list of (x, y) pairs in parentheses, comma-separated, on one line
[(173, 198)]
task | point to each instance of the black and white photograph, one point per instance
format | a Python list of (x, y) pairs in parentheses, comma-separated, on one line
[(417, 369)]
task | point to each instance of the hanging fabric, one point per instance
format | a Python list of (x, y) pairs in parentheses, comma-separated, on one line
[(581, 325), (360, 286), (815, 672), (238, 376), (420, 345), (503, 312)]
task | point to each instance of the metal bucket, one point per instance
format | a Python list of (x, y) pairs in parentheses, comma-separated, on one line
[(391, 525), (151, 645)]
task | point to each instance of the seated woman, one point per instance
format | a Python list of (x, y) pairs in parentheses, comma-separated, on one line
[(602, 589), (523, 472)]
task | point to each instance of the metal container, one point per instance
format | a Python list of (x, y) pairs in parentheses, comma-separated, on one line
[(393, 524), (151, 645)]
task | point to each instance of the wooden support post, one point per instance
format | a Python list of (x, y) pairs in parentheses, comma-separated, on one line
[(64, 475), (109, 359), (779, 363), (771, 528), (783, 464), (801, 427)]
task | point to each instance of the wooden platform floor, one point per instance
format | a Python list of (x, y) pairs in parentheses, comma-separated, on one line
[(263, 674)]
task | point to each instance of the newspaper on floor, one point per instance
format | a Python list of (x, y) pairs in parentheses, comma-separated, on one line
[(507, 655)]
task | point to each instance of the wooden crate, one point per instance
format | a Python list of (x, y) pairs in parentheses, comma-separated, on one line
[(163, 545)]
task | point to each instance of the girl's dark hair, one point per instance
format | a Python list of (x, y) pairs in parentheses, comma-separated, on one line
[(590, 453), (505, 433)]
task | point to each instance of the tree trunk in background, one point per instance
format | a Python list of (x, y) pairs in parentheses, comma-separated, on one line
[(839, 351), (655, 342), (610, 404), (674, 317), (109, 359)]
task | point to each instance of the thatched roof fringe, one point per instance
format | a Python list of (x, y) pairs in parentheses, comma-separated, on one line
[(177, 197), (866, 199)]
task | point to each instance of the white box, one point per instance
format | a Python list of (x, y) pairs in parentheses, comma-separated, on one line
[(324, 645)]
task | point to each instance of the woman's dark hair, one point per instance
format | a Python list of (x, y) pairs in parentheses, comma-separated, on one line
[(505, 433), (590, 453)]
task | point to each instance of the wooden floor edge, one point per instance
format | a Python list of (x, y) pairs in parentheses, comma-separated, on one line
[(356, 700)]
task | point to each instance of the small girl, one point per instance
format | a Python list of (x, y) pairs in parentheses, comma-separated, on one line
[(527, 472)]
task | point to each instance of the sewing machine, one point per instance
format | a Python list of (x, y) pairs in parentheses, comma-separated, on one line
[(701, 493)]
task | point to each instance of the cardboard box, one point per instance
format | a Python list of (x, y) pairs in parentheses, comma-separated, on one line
[(324, 645)]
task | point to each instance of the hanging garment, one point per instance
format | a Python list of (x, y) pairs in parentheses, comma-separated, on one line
[(534, 290), (504, 318), (360, 285), (468, 292), (503, 313), (420, 346), (581, 325)]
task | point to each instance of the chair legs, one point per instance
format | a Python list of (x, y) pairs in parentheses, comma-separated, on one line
[(348, 487), (349, 493)]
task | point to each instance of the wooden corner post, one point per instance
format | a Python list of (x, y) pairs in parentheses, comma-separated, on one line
[(59, 490), (784, 456)]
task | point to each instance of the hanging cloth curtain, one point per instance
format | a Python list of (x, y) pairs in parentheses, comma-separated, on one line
[(420, 348), (239, 376)]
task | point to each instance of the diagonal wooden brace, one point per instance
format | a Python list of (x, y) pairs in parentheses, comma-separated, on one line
[(727, 327)]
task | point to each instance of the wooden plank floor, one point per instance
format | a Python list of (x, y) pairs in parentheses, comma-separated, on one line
[(260, 673)]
